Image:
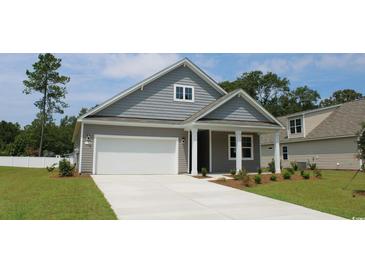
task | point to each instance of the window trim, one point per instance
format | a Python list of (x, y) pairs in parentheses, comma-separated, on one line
[(184, 87), (287, 153), (295, 126), (243, 158)]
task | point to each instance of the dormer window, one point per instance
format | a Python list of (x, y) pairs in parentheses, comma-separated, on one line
[(295, 126), (183, 93)]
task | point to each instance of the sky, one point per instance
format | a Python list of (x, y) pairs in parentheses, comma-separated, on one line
[(97, 77)]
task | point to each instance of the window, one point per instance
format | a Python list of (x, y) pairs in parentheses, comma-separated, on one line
[(295, 126), (285, 153), (183, 93), (247, 147)]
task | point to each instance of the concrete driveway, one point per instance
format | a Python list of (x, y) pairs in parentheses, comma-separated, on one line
[(184, 197)]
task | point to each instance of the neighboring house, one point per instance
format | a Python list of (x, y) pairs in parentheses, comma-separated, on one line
[(176, 121), (326, 136)]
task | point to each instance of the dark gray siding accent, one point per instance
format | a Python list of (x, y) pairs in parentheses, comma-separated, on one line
[(237, 109), (220, 161), (88, 150), (156, 100)]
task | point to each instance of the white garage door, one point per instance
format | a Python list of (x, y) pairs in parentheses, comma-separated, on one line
[(135, 155)]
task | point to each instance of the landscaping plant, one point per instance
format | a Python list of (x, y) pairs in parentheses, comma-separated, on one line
[(204, 172), (51, 168), (241, 175), (290, 170), (306, 175), (258, 179), (294, 165), (317, 173), (273, 177), (259, 170), (286, 175), (66, 169), (232, 172), (312, 165), (271, 166)]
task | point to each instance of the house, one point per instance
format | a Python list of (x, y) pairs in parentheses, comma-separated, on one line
[(176, 121), (326, 136)]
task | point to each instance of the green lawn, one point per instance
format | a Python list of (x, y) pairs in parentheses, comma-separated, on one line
[(326, 194), (30, 194)]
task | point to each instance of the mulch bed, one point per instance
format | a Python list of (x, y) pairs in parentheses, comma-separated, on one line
[(202, 177), (358, 193), (265, 179), (76, 175)]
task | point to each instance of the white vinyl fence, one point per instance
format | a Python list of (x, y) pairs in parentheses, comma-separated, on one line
[(19, 161)]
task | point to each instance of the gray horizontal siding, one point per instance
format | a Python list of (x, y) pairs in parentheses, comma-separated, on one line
[(236, 109), (156, 100), (220, 160), (326, 153), (87, 150)]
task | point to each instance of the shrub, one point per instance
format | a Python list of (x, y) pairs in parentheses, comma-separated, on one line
[(66, 169), (204, 172), (259, 170), (290, 170), (312, 165), (273, 177), (306, 175), (271, 166), (302, 172), (294, 165), (51, 168), (317, 173), (258, 179), (286, 175), (241, 175), (233, 172)]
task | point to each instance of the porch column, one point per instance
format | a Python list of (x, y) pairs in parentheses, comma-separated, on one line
[(238, 150), (277, 152), (194, 151)]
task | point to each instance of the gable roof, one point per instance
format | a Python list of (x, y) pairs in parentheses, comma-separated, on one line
[(219, 102), (138, 86), (344, 121)]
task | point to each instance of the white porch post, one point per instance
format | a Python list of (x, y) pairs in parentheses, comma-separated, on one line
[(194, 151), (238, 150), (277, 152)]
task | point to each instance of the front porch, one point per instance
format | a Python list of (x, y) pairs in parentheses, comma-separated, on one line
[(221, 149)]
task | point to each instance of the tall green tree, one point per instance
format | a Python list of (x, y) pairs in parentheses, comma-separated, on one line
[(301, 99), (8, 132), (265, 88), (46, 79), (340, 97)]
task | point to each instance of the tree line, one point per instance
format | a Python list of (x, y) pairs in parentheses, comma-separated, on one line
[(273, 93), (44, 137)]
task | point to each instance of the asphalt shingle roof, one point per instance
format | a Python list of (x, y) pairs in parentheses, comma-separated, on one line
[(345, 120)]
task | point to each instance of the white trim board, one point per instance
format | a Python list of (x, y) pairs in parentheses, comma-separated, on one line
[(81, 144)]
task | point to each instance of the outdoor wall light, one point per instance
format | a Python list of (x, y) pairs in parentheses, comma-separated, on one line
[(88, 140)]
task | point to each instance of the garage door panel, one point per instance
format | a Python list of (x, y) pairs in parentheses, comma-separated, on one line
[(136, 156)]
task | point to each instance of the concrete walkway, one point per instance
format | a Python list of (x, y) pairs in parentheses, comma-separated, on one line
[(174, 197)]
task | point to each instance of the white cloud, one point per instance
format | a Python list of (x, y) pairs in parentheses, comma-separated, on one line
[(293, 65), (137, 66), (347, 61), (283, 65)]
